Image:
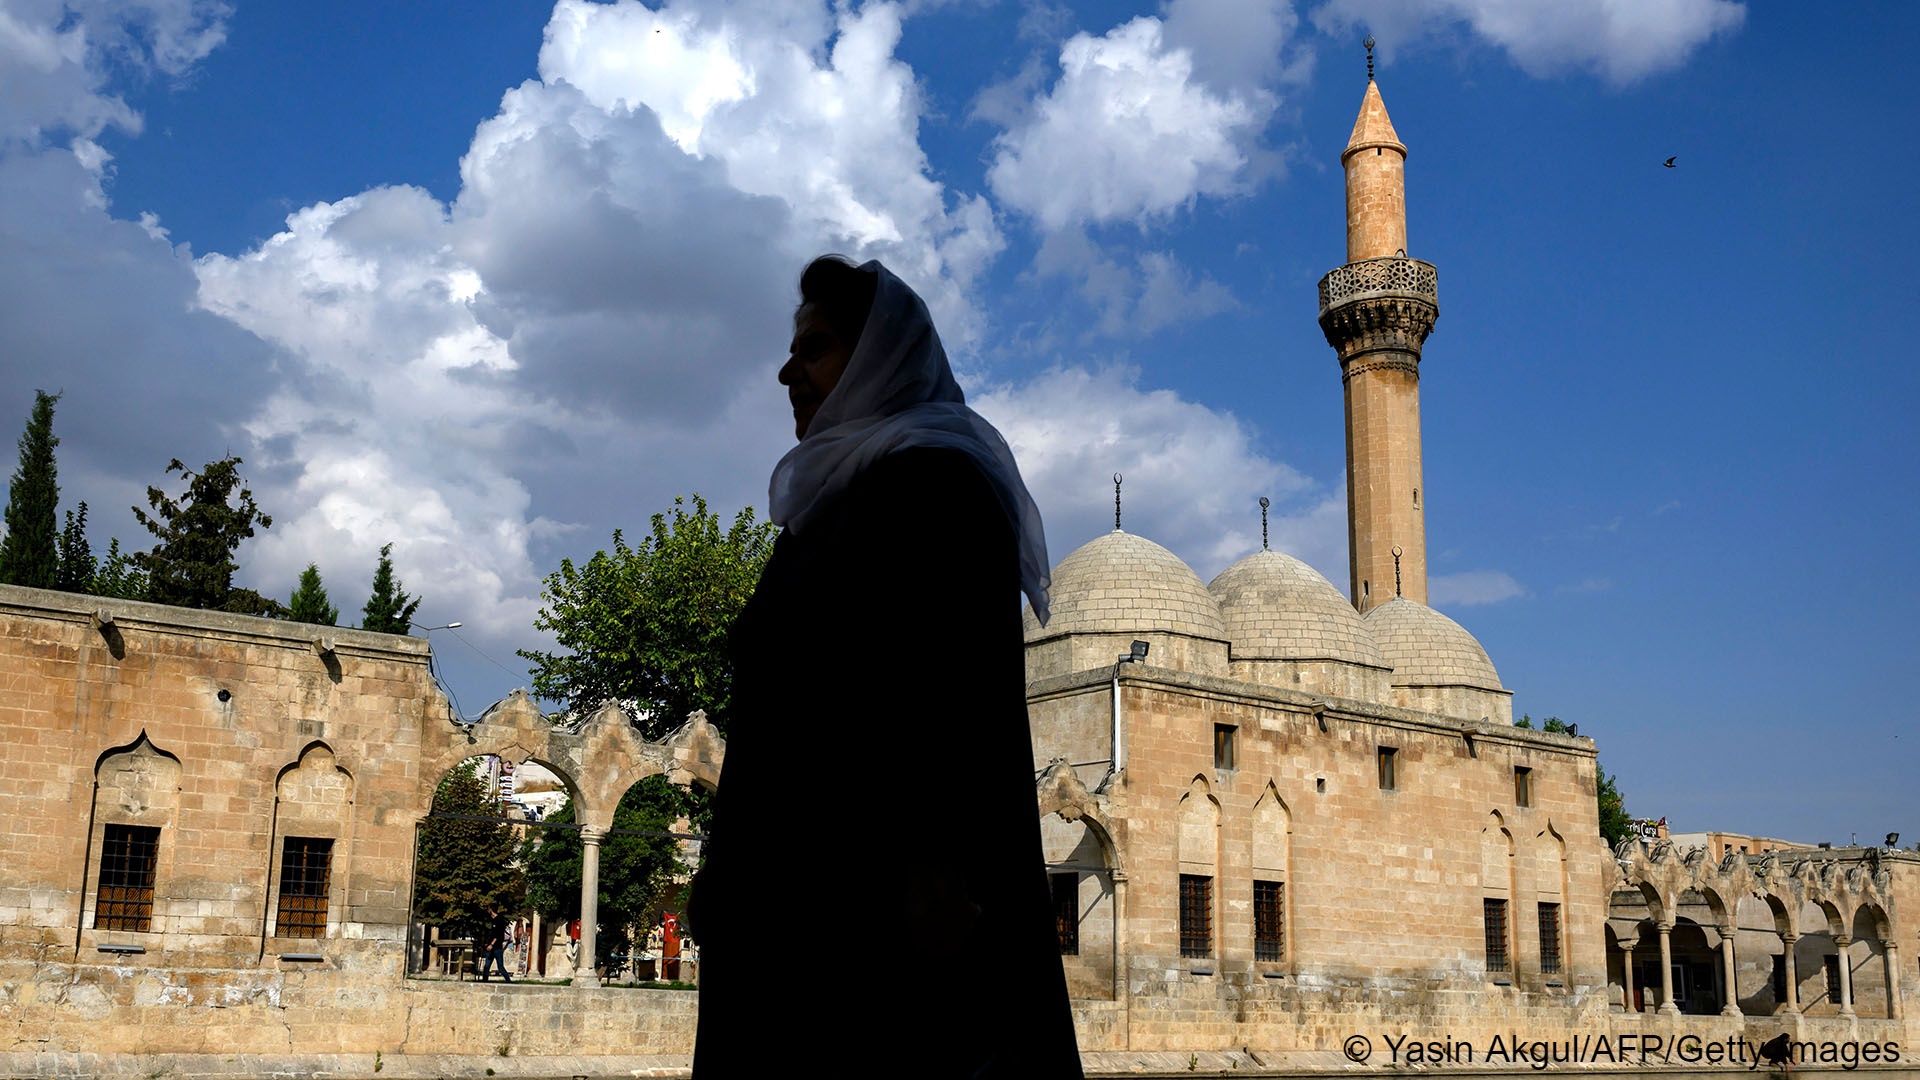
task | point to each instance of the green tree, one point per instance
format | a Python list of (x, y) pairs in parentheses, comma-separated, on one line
[(192, 565), (309, 602), (1615, 824), (466, 862), (29, 553), (119, 575), (637, 872), (77, 567), (647, 626), (553, 862), (389, 610)]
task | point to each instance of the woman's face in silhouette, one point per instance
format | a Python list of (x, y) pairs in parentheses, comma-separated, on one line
[(815, 361)]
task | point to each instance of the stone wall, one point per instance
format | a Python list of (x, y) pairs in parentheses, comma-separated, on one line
[(200, 744), (1384, 888), (224, 733), (68, 1009)]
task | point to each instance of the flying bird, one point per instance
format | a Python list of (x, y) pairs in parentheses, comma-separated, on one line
[(1670, 163)]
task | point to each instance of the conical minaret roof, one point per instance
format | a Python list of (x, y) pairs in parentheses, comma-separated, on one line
[(1373, 127)]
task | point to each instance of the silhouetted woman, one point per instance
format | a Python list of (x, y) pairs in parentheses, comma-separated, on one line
[(874, 900)]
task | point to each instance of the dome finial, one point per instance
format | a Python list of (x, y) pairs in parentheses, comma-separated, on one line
[(1369, 43), (1396, 571), (1263, 523), (1116, 502)]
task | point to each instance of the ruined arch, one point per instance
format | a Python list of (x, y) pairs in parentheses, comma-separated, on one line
[(1086, 883)]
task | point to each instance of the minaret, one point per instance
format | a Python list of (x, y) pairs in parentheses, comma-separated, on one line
[(1376, 312)]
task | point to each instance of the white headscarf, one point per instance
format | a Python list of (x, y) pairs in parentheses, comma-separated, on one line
[(898, 392)]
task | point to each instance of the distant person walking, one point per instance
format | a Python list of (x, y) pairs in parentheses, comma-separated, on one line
[(494, 947)]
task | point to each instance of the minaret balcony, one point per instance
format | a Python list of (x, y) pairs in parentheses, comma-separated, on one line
[(1389, 277)]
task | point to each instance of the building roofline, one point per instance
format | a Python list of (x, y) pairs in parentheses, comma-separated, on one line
[(167, 619)]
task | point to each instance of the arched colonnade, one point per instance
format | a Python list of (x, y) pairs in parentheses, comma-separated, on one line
[(597, 758), (1803, 893)]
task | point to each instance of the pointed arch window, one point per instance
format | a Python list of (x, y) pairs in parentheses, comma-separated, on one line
[(129, 855), (305, 863)]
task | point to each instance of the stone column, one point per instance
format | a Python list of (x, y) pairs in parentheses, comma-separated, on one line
[(1626, 977), (1846, 975), (536, 950), (1793, 975), (583, 970), (1891, 956), (1667, 1004), (1731, 1006)]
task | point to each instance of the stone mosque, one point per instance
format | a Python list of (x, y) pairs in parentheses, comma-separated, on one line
[(1277, 819)]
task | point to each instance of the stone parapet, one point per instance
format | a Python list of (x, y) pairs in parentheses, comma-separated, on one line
[(1381, 310), (1394, 276)]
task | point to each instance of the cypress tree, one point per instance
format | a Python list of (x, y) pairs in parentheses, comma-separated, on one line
[(77, 567), (309, 603), (389, 610), (29, 554)]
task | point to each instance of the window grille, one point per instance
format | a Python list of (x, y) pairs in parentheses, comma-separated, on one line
[(1833, 980), (304, 863), (1496, 915), (1066, 912), (1269, 920), (1522, 786), (1196, 915), (1549, 939), (1389, 762), (128, 855)]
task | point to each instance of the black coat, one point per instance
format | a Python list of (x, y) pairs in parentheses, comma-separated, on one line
[(874, 898)]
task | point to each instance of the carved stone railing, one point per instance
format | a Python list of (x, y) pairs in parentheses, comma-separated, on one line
[(1392, 276)]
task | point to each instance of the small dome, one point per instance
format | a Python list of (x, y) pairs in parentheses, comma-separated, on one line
[(1126, 584), (1276, 607), (1425, 648)]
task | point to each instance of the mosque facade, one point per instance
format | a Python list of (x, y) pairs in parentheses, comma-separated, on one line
[(1279, 817)]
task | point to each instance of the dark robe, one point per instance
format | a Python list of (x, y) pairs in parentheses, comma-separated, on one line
[(874, 898)]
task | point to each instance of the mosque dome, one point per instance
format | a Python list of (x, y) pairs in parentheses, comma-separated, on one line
[(1276, 607), (1124, 584), (1425, 648)]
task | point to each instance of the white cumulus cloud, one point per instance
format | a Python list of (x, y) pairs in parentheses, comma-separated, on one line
[(593, 324), (1622, 41), (1135, 296), (1147, 117), (1472, 588), (57, 57), (1192, 476)]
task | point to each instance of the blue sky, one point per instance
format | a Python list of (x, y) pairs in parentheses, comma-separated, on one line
[(489, 280)]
